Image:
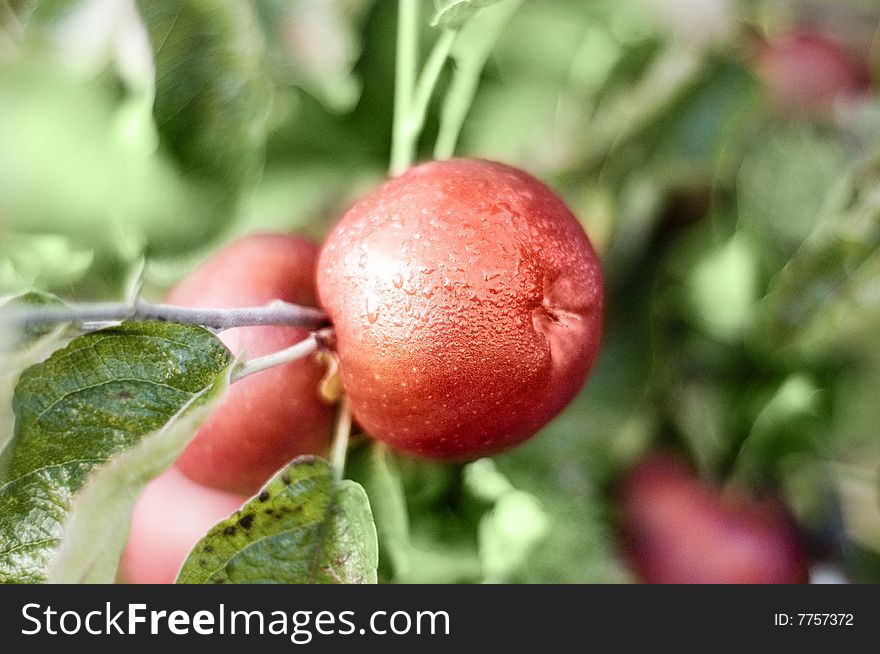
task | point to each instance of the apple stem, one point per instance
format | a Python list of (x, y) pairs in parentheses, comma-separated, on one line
[(340, 439), (276, 313), (302, 349)]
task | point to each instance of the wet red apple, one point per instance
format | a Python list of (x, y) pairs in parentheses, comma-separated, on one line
[(677, 529), (170, 517), (273, 416), (467, 302)]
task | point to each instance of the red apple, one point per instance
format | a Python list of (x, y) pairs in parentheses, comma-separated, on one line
[(808, 73), (170, 517), (467, 302), (677, 529), (273, 416)]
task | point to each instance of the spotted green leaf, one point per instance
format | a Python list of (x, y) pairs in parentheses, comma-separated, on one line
[(95, 534), (83, 406), (20, 349), (304, 527)]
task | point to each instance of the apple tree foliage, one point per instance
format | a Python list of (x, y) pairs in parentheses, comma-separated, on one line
[(741, 249)]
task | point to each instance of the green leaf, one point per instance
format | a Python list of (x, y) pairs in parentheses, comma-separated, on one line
[(304, 527), (94, 537), (509, 533), (74, 181), (42, 12), (20, 350), (723, 288), (375, 468), (41, 261), (568, 537), (702, 410), (789, 422), (77, 410), (452, 14), (513, 526), (785, 182), (827, 295), (315, 44), (484, 481), (212, 99), (29, 335)]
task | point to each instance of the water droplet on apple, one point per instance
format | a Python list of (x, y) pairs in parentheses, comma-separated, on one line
[(372, 308)]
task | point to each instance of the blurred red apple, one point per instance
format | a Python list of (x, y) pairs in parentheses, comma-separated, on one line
[(810, 74), (275, 415), (171, 516), (677, 529)]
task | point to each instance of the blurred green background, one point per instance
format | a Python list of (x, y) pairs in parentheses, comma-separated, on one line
[(739, 229)]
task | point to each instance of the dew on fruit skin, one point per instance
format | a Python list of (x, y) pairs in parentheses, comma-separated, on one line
[(372, 308)]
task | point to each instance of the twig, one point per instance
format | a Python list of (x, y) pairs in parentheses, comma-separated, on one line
[(426, 83), (340, 439), (276, 313), (402, 141), (481, 36)]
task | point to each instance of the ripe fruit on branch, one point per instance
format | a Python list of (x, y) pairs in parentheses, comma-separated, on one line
[(676, 529), (170, 517), (467, 302), (271, 417), (808, 73)]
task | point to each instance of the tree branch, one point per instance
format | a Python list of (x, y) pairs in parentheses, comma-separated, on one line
[(277, 313)]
